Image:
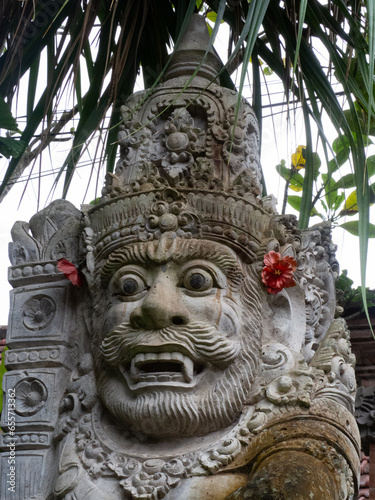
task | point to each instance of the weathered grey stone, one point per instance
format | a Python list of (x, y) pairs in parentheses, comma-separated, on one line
[(173, 373)]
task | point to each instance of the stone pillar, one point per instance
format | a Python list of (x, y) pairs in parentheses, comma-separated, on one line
[(43, 347)]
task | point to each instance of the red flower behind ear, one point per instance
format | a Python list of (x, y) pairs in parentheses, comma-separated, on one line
[(278, 272), (70, 271)]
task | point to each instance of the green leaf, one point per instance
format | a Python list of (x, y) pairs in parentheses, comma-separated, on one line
[(331, 192), (31, 91), (346, 182), (7, 121), (294, 178), (343, 282), (255, 15), (95, 202), (283, 170), (341, 146), (339, 199), (362, 119), (11, 147), (316, 165), (295, 202), (212, 16), (370, 165), (306, 200), (267, 71), (353, 228), (314, 212), (301, 20), (372, 193)]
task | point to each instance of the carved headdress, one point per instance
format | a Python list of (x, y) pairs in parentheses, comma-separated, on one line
[(189, 162)]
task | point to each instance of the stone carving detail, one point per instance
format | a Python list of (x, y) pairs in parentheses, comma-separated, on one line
[(26, 440), (335, 358), (38, 312), (172, 373), (50, 356), (54, 235), (152, 478), (364, 492), (295, 385), (365, 414), (80, 396), (31, 394), (184, 143)]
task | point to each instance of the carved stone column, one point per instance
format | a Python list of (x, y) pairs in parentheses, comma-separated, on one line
[(43, 343)]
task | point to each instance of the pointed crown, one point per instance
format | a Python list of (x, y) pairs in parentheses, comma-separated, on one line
[(189, 162)]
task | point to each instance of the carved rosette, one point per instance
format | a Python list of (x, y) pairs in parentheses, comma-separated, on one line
[(31, 394), (38, 312)]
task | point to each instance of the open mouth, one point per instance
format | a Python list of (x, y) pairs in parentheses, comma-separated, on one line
[(162, 368)]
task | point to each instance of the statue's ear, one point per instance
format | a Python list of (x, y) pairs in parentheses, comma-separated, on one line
[(284, 318)]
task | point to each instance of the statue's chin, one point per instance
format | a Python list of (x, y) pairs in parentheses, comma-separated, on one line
[(162, 414)]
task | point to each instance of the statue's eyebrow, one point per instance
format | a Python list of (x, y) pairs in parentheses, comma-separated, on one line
[(149, 254), (219, 256)]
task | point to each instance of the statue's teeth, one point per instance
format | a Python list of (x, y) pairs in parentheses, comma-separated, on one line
[(139, 357), (164, 356), (188, 369), (139, 373), (149, 356)]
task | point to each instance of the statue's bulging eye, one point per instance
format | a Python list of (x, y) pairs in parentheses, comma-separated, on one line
[(130, 285), (198, 280)]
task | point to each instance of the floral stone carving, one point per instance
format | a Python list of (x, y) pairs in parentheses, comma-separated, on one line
[(38, 312), (31, 395), (188, 379)]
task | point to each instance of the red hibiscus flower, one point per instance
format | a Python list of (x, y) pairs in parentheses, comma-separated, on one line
[(278, 272), (70, 271)]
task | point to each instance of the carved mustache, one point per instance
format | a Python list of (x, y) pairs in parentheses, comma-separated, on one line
[(202, 341)]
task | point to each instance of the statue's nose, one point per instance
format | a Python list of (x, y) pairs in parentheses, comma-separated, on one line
[(161, 307)]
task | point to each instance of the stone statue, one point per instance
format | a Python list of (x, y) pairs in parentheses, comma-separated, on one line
[(200, 358)]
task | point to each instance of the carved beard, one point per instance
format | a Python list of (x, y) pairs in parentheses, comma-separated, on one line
[(172, 413)]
